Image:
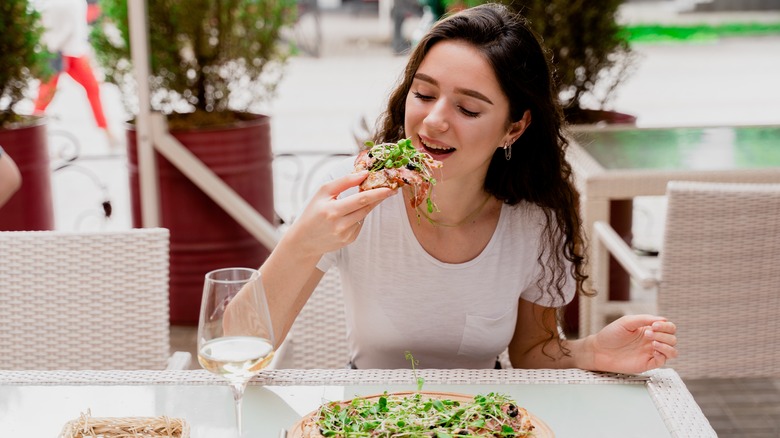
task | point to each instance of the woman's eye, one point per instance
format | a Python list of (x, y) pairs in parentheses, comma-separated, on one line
[(469, 113), (421, 96)]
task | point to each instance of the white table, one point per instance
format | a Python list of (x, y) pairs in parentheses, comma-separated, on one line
[(573, 403), (620, 163)]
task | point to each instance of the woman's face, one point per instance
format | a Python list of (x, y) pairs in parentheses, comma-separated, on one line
[(456, 110)]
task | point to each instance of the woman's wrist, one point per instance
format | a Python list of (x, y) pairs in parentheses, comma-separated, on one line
[(584, 353), (295, 237)]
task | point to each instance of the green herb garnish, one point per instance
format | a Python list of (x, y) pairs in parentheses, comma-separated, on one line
[(419, 380), (403, 154), (416, 416)]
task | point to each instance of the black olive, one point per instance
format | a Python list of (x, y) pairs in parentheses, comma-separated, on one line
[(370, 155), (512, 411), (463, 432), (411, 166)]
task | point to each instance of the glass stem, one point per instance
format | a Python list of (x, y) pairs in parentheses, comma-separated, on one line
[(238, 396)]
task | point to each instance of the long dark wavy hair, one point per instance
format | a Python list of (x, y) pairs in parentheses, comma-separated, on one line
[(538, 171)]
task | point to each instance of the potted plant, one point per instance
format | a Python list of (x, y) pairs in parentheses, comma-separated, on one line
[(590, 52), (212, 63), (22, 60)]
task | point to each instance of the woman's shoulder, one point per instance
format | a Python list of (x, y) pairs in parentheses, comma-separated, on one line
[(526, 212), (524, 221)]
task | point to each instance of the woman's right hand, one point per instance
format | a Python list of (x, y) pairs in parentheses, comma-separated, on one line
[(329, 223)]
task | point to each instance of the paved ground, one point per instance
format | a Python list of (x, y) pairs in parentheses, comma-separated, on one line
[(732, 81)]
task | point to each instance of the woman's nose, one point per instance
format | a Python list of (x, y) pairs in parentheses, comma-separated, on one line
[(438, 118)]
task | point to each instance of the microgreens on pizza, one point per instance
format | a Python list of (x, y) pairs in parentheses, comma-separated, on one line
[(420, 414), (395, 165)]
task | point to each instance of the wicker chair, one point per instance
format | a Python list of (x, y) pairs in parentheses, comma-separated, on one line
[(78, 301), (318, 337), (719, 277)]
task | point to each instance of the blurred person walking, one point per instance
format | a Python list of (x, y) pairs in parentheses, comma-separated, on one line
[(403, 9), (66, 35)]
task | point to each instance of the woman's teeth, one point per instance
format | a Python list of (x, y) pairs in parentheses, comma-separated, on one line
[(434, 149)]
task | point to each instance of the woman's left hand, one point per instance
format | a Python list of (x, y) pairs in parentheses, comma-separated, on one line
[(634, 344)]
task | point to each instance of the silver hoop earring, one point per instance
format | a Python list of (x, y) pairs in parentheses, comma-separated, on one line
[(507, 151)]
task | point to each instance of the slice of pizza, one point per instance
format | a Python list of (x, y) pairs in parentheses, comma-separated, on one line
[(395, 165), (422, 414)]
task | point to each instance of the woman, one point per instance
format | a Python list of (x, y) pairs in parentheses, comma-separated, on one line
[(489, 269)]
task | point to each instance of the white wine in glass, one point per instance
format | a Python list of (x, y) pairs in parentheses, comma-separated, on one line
[(235, 335)]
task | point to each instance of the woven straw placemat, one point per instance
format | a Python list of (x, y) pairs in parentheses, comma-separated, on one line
[(125, 427)]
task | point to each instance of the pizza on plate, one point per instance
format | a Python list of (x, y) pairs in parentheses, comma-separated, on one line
[(421, 414), (395, 165)]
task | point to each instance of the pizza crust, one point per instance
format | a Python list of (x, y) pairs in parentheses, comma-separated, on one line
[(306, 428)]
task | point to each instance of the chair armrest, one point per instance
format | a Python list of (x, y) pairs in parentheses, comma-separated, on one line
[(616, 246), (179, 360)]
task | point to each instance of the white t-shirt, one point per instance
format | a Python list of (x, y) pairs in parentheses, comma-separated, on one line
[(399, 298), (65, 24)]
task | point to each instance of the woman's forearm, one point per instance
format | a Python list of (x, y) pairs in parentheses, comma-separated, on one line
[(327, 224), (631, 344), (536, 345), (10, 177), (289, 276), (552, 354)]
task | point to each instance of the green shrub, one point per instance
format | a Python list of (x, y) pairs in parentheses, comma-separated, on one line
[(210, 59), (22, 58), (589, 50)]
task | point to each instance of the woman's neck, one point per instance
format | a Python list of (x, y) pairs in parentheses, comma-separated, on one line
[(462, 228), (454, 208)]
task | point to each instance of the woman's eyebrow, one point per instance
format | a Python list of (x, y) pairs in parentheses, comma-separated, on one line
[(465, 91), (425, 78), (473, 93)]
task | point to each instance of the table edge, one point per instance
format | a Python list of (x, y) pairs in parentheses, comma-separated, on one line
[(676, 406)]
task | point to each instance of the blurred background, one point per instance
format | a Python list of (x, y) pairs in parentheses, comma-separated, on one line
[(668, 63), (693, 64)]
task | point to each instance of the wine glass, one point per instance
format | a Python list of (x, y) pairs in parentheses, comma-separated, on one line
[(235, 335)]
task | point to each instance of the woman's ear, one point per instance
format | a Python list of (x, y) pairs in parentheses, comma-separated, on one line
[(517, 128)]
